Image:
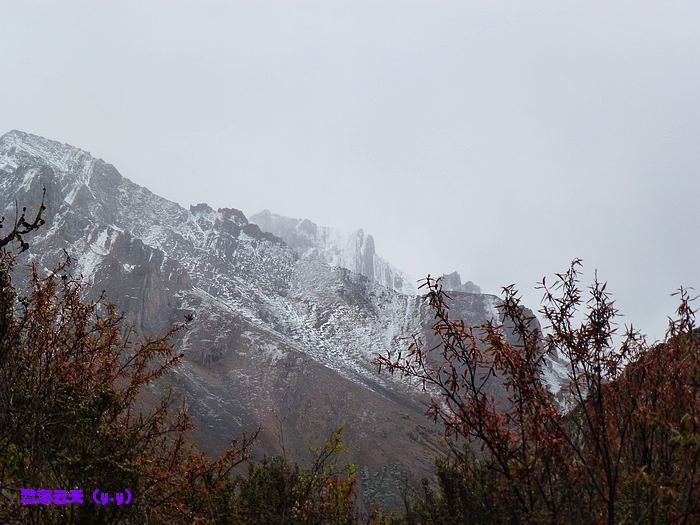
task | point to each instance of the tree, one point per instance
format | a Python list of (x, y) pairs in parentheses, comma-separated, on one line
[(72, 377), (276, 492), (624, 447)]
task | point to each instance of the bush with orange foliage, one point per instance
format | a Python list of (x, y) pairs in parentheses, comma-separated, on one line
[(72, 416), (623, 448), (70, 377)]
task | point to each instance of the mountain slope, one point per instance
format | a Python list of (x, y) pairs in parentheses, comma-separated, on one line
[(279, 337), (354, 251)]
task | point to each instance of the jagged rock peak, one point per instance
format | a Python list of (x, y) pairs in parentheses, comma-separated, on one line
[(355, 251), (16, 136), (233, 214), (29, 149), (453, 282), (201, 209)]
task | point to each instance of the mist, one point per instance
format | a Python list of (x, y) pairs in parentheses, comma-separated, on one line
[(500, 140)]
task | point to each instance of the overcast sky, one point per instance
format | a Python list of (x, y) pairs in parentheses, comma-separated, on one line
[(499, 139)]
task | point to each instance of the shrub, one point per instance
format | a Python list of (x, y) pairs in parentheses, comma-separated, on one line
[(625, 447)]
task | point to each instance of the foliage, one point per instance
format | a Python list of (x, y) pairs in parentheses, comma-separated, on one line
[(71, 379), (624, 448), (73, 415), (276, 492), (71, 374)]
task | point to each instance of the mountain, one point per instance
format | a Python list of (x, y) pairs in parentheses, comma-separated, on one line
[(453, 282), (354, 251), (285, 324)]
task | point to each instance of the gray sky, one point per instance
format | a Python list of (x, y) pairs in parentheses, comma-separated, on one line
[(499, 139)]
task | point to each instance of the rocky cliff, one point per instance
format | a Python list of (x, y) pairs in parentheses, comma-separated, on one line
[(354, 251), (286, 320)]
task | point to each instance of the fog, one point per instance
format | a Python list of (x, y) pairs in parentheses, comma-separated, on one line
[(500, 140)]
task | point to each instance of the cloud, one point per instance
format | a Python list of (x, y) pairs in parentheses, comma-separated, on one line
[(500, 140)]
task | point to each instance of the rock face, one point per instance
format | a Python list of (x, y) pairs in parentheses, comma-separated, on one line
[(453, 282), (354, 251), (285, 323)]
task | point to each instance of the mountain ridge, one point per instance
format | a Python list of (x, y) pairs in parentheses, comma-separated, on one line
[(354, 251), (279, 338)]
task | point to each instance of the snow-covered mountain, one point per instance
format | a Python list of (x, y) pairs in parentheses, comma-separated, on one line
[(285, 323), (453, 282), (354, 251)]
